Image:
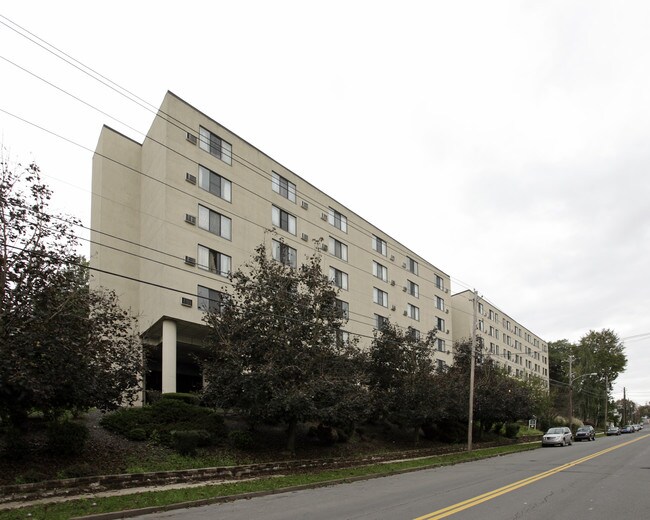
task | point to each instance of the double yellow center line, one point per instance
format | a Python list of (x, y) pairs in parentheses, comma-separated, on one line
[(461, 506)]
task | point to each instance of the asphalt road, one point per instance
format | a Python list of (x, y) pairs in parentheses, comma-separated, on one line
[(605, 479)]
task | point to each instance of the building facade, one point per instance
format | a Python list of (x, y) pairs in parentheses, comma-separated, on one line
[(511, 345), (171, 216)]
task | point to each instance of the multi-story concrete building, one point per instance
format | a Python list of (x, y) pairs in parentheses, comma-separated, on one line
[(171, 216), (522, 353)]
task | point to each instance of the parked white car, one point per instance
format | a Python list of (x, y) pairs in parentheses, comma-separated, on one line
[(558, 436)]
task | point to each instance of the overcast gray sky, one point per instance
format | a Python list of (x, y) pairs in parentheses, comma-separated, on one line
[(512, 134)]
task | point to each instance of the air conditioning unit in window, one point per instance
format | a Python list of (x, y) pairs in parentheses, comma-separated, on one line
[(392, 258), (446, 311), (190, 261), (190, 178), (392, 282), (324, 248), (305, 237), (304, 204), (323, 216), (190, 137), (404, 265), (446, 290), (447, 331), (404, 289), (190, 219), (392, 307), (406, 313), (186, 302)]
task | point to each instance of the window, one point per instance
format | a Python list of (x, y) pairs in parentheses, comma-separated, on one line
[(413, 312), (379, 245), (440, 365), (344, 307), (283, 187), (283, 253), (283, 220), (490, 314), (440, 345), (213, 261), (491, 332), (440, 303), (411, 265), (214, 145), (339, 278), (496, 333), (440, 283), (215, 183), (480, 308), (440, 324), (214, 222), (338, 249), (380, 297), (338, 221), (210, 300), (342, 337), (412, 288), (380, 271), (414, 334), (481, 325), (380, 321)]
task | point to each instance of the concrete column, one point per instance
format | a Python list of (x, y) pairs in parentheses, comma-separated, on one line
[(168, 356)]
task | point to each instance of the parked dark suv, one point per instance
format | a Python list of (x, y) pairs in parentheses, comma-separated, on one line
[(585, 433)]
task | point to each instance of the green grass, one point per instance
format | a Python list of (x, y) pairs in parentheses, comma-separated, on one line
[(175, 461), (160, 498)]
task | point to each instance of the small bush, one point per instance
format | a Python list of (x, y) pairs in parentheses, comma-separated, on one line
[(183, 397), (512, 429), (161, 418), (76, 471), (327, 435), (151, 396), (186, 442), (30, 476), (66, 438), (242, 440), (498, 428), (137, 434)]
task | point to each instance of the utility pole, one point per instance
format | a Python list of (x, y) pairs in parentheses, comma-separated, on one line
[(624, 408), (470, 421), (606, 400), (570, 389)]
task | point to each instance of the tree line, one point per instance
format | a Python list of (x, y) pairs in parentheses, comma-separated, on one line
[(276, 349)]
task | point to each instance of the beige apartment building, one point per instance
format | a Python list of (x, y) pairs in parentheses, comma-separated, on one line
[(510, 344), (172, 215)]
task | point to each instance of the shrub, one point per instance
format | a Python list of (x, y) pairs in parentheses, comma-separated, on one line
[(242, 440), (161, 418), (511, 430), (327, 435), (66, 438), (30, 476), (498, 428), (76, 471), (137, 434), (186, 442), (183, 397)]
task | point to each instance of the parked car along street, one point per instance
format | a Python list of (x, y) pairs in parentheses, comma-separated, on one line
[(586, 433), (613, 430), (558, 436)]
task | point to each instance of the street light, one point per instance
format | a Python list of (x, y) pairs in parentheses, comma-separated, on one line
[(571, 381)]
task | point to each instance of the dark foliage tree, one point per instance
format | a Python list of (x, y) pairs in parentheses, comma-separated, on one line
[(498, 397), (401, 378), (278, 350), (602, 353), (63, 346)]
